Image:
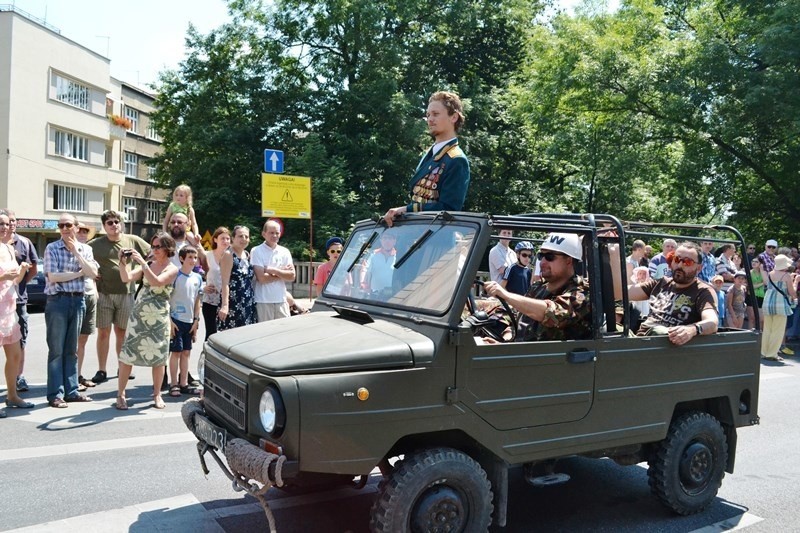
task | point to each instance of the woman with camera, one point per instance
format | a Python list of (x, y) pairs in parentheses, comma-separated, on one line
[(147, 335)]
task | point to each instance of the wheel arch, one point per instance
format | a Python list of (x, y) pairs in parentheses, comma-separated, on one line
[(719, 408)]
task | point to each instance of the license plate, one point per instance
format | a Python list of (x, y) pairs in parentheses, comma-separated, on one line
[(210, 433)]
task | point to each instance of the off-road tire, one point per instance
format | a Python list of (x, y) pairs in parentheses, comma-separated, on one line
[(686, 470), (434, 490)]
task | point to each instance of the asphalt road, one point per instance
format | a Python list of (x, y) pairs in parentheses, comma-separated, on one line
[(93, 468)]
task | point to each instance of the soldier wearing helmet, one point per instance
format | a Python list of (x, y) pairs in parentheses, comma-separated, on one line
[(517, 277), (557, 307)]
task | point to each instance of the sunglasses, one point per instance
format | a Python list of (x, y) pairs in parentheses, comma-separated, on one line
[(83, 230), (525, 255), (112, 222), (156, 247), (678, 259), (337, 252), (67, 225), (771, 247), (549, 256)]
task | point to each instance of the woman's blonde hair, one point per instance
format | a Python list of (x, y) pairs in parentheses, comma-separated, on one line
[(184, 188)]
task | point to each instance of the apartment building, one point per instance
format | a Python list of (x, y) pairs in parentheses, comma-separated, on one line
[(62, 150)]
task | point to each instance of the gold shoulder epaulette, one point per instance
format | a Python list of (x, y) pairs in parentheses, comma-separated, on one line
[(455, 151)]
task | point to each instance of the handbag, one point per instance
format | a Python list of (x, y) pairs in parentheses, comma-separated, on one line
[(791, 303)]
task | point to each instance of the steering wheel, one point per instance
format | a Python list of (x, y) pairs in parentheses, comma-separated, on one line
[(480, 319)]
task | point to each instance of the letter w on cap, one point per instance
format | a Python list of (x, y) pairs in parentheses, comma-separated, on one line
[(555, 239)]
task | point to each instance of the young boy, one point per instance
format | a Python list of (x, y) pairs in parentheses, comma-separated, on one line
[(517, 277), (185, 315), (717, 282), (735, 306)]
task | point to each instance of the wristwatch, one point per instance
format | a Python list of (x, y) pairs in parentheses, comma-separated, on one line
[(699, 329)]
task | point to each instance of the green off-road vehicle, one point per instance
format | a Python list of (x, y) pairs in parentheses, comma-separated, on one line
[(389, 371)]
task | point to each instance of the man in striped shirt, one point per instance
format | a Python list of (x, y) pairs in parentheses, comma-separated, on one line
[(66, 262)]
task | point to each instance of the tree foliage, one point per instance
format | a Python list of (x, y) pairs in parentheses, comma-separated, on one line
[(682, 110)]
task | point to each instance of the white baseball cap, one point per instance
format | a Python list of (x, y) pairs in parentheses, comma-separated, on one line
[(566, 243), (772, 242)]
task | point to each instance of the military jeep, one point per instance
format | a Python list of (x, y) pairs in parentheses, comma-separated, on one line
[(390, 371)]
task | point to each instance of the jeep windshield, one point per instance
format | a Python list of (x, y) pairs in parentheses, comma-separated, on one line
[(414, 265)]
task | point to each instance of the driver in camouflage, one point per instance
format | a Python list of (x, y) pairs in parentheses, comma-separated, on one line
[(556, 308)]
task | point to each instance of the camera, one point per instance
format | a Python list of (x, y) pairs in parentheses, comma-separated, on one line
[(127, 253)]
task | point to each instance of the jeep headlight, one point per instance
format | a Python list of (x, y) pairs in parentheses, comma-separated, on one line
[(270, 411)]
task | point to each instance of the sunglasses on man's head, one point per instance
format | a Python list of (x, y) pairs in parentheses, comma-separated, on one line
[(549, 256), (67, 225)]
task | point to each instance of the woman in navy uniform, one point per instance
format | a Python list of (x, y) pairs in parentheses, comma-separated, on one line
[(442, 176)]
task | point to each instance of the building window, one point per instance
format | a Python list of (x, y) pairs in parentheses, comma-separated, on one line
[(152, 134), (131, 165), (127, 203), (132, 115), (69, 198), (71, 146), (153, 212), (72, 93), (151, 171)]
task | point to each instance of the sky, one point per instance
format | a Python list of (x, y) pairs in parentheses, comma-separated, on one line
[(139, 41)]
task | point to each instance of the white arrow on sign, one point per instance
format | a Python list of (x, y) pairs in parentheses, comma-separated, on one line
[(274, 160)]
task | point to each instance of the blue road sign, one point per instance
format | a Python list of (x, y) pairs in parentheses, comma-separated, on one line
[(273, 161)]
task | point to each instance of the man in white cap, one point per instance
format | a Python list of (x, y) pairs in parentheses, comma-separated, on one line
[(767, 257), (557, 307)]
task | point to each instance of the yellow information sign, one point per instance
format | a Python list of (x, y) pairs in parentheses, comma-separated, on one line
[(285, 196)]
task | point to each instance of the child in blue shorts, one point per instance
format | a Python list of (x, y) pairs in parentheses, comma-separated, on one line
[(185, 316)]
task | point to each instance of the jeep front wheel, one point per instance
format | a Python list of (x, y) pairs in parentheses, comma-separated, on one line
[(687, 468), (435, 490)]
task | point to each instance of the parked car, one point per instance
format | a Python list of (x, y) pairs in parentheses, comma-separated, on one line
[(397, 377), (35, 288)]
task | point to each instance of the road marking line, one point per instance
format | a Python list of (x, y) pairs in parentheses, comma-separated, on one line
[(96, 446), (184, 510), (776, 375), (731, 524)]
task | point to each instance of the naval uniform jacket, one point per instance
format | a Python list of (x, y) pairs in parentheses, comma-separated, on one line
[(440, 181)]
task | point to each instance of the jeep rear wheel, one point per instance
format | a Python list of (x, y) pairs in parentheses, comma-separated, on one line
[(687, 469), (435, 490)]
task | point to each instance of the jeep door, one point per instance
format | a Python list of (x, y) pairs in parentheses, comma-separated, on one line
[(524, 384)]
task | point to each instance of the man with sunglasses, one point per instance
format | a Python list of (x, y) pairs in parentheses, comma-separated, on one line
[(681, 306), (557, 307), (767, 257), (66, 262), (114, 298)]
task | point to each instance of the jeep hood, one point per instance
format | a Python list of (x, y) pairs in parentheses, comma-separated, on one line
[(321, 342)]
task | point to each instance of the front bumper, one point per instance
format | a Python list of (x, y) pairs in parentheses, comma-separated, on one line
[(247, 463)]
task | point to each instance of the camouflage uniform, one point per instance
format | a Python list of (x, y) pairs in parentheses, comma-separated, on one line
[(567, 316)]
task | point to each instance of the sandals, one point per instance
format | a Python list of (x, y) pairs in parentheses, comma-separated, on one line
[(158, 403), (58, 403), (175, 391), (121, 403), (188, 389), (776, 358), (100, 377), (79, 398), (87, 383)]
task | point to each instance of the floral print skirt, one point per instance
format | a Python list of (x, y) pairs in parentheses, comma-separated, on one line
[(147, 337)]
